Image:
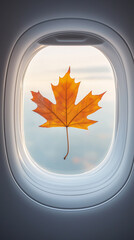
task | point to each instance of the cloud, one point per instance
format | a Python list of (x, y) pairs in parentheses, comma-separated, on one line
[(87, 162)]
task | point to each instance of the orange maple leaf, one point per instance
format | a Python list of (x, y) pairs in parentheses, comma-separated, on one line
[(65, 113)]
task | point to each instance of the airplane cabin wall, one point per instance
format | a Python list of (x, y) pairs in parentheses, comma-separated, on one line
[(20, 217)]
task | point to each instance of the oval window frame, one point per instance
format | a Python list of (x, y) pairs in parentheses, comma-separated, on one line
[(105, 181)]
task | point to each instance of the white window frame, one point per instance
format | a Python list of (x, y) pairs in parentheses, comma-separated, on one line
[(101, 184)]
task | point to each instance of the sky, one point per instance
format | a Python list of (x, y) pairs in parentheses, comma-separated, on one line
[(48, 146)]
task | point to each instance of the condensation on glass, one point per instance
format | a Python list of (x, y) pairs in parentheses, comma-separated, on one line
[(48, 146)]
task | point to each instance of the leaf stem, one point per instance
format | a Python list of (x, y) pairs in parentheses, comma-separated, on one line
[(67, 143)]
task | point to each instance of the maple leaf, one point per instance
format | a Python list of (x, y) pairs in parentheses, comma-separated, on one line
[(65, 113)]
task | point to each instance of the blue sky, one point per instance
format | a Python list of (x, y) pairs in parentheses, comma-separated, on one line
[(87, 147)]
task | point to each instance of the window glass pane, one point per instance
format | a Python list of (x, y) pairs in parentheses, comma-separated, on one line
[(48, 146)]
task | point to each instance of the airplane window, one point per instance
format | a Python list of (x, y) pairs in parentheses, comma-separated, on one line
[(100, 158), (48, 146)]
